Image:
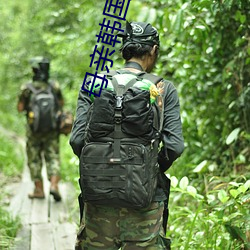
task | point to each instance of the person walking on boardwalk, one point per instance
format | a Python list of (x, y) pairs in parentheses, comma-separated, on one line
[(116, 135), (42, 102)]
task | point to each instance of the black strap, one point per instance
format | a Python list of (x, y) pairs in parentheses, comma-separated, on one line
[(152, 78), (105, 160), (106, 172), (165, 183)]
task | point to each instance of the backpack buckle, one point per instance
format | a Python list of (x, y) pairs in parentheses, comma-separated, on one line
[(119, 102), (118, 118)]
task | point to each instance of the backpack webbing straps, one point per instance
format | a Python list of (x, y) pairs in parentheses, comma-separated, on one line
[(152, 78), (119, 90)]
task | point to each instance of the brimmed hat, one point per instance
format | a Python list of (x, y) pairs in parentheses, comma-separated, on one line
[(139, 32)]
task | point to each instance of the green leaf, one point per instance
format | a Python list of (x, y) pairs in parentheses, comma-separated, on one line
[(247, 184), (174, 181), (234, 215), (245, 199), (200, 167), (210, 198), (242, 189), (222, 196), (192, 190), (234, 192), (184, 183), (177, 25), (233, 183), (235, 232), (232, 136)]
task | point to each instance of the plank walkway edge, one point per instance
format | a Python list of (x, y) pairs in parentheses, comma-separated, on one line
[(46, 224)]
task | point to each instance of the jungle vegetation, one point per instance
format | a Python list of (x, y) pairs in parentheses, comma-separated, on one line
[(205, 52)]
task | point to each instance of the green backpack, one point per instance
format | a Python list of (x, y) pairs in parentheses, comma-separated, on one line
[(118, 164)]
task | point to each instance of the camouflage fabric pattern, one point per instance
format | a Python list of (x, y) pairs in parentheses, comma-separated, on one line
[(112, 228), (46, 145), (39, 145)]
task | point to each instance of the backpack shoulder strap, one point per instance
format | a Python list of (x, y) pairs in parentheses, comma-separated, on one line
[(153, 78), (35, 90), (121, 89), (32, 88), (51, 86), (110, 74)]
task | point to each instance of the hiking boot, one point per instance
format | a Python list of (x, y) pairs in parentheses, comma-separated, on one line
[(54, 187), (38, 191)]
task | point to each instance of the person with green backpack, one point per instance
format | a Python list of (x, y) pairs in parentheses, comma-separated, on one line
[(126, 138), (42, 102)]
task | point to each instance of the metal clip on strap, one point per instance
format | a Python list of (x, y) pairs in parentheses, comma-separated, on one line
[(119, 100)]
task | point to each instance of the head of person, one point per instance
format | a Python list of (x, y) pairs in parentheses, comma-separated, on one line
[(40, 67), (140, 42)]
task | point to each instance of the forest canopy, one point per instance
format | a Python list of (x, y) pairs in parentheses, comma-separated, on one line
[(204, 51)]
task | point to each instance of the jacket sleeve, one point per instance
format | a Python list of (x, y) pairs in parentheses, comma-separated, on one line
[(172, 138), (77, 134)]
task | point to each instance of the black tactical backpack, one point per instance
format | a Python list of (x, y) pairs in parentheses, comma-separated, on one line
[(43, 109), (118, 164)]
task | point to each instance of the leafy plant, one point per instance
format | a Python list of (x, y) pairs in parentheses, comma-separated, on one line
[(205, 52), (8, 229), (218, 219)]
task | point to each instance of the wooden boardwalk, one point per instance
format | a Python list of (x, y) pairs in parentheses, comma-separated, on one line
[(46, 224)]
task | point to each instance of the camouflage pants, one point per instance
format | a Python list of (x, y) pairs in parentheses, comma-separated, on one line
[(121, 228), (43, 147)]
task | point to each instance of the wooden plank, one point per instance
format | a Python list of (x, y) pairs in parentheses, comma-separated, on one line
[(22, 240), (24, 213), (71, 202), (39, 211), (26, 173), (64, 235), (42, 237), (16, 203), (25, 209), (58, 211), (45, 222), (20, 204), (40, 207), (62, 211)]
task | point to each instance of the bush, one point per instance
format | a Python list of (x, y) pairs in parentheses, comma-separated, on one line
[(8, 229), (219, 219), (11, 156)]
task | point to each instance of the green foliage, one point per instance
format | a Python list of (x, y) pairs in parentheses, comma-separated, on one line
[(11, 156), (205, 52), (8, 229), (217, 220), (69, 162)]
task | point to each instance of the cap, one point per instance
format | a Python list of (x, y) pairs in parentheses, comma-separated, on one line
[(35, 61), (139, 32), (40, 66)]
